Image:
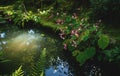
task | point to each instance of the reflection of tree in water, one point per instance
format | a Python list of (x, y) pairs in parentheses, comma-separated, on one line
[(51, 46), (21, 49), (26, 48)]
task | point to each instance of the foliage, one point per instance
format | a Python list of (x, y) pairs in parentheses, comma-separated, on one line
[(21, 17), (2, 59), (103, 41), (2, 20), (112, 54), (82, 38), (1, 53), (39, 67), (39, 4), (105, 8), (18, 72), (89, 53), (81, 58), (79, 34)]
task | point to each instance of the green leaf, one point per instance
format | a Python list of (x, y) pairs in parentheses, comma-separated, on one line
[(42, 74), (4, 61), (68, 19), (89, 52), (39, 67), (18, 72), (75, 53), (103, 41), (1, 53), (42, 35), (81, 58)]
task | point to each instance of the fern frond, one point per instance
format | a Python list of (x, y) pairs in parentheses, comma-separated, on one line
[(2, 59), (42, 74), (18, 72), (38, 68)]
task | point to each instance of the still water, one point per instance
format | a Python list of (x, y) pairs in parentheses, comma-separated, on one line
[(30, 47), (24, 47)]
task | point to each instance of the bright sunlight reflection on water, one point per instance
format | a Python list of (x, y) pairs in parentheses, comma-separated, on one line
[(25, 46)]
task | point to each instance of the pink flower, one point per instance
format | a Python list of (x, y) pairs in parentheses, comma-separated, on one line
[(65, 46), (72, 32), (75, 32), (62, 36), (77, 35), (59, 21), (74, 43)]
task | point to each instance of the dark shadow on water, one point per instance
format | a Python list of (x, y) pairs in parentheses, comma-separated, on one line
[(59, 62)]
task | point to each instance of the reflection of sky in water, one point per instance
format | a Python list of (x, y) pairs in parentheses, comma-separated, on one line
[(2, 42), (34, 40), (2, 35), (31, 32), (58, 68)]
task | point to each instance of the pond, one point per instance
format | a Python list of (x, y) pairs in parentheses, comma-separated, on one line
[(35, 47), (25, 47)]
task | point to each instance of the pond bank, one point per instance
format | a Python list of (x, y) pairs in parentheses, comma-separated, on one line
[(83, 40), (20, 47)]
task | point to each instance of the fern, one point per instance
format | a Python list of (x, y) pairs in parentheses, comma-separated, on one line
[(42, 74), (38, 68), (3, 60), (1, 53), (18, 72)]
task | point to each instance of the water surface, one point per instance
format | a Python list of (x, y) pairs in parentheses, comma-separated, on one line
[(24, 47)]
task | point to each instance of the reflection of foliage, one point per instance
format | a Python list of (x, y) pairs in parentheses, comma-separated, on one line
[(2, 60), (37, 69), (77, 33), (2, 20), (51, 44), (1, 53)]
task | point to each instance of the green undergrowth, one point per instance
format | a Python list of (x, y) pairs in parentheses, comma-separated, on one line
[(50, 24), (21, 18), (114, 32), (37, 69), (84, 39)]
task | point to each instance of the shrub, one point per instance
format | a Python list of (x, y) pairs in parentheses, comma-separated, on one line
[(105, 8)]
